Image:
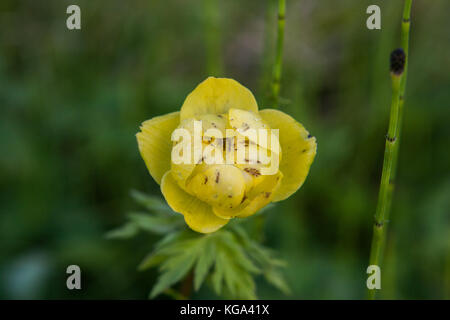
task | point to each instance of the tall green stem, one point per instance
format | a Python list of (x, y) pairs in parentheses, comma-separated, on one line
[(383, 201), (391, 150), (214, 66), (406, 23), (276, 78)]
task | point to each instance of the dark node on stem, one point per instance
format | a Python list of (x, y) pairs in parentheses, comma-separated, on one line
[(390, 139), (281, 17), (378, 224), (398, 59)]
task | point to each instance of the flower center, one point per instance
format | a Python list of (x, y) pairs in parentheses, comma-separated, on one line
[(221, 159)]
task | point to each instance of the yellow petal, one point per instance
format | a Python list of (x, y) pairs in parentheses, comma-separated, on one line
[(242, 120), (299, 150), (182, 171), (155, 144), (220, 186), (217, 96), (197, 214), (213, 121), (260, 196), (252, 130)]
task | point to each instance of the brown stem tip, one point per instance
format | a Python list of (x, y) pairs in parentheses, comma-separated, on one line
[(398, 59)]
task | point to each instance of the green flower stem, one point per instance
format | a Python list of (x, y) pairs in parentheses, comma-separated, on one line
[(276, 80), (391, 150), (214, 65), (406, 22), (381, 214)]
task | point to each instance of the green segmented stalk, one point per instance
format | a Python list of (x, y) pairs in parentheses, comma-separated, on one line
[(406, 23), (391, 150), (276, 80), (276, 84), (214, 64), (379, 227)]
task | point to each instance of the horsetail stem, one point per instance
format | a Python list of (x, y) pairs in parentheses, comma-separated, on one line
[(406, 22), (276, 78), (276, 82), (214, 64), (399, 64), (379, 234)]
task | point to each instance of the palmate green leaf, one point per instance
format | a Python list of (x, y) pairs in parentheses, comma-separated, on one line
[(179, 235), (172, 242), (217, 276), (189, 247), (276, 279), (242, 235), (151, 203), (230, 258), (126, 231), (175, 269), (160, 220), (155, 224), (246, 287), (151, 260), (218, 254), (231, 278), (204, 263), (233, 272), (181, 257), (235, 250), (264, 258)]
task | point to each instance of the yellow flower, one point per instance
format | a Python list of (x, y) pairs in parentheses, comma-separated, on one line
[(209, 195)]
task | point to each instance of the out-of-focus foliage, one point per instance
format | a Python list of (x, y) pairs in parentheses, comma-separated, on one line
[(71, 103), (228, 258)]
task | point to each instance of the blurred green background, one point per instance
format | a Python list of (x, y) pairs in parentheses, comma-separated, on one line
[(72, 101)]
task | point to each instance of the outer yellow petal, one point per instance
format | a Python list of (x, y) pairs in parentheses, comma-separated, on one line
[(182, 171), (197, 214), (155, 144), (262, 195), (299, 150), (217, 96)]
